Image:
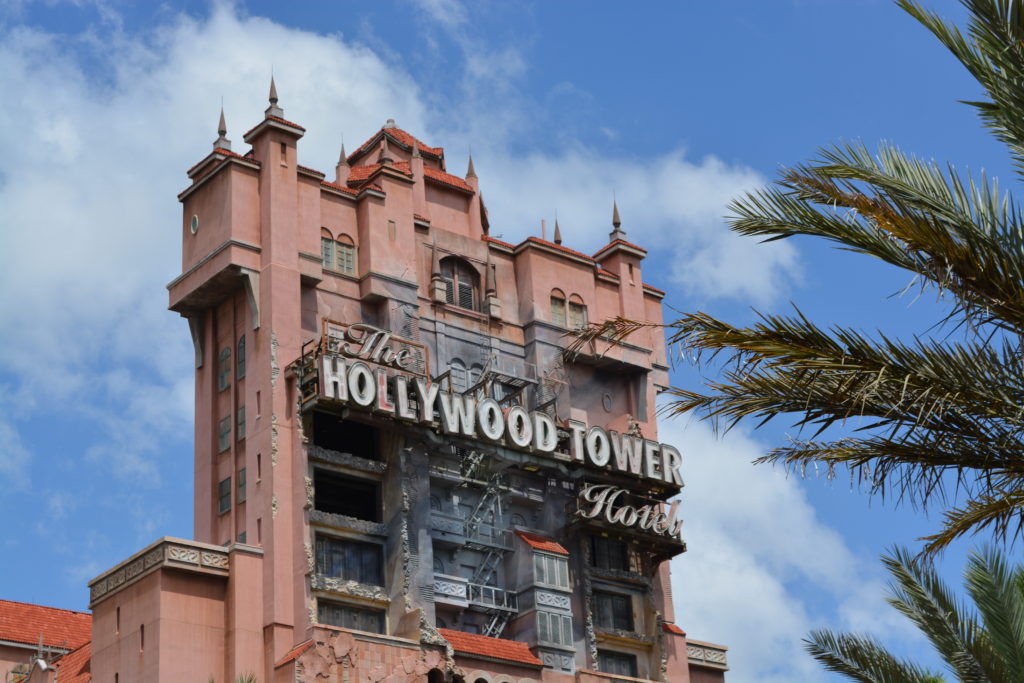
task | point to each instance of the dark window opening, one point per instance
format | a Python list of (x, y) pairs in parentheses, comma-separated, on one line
[(344, 436), (349, 560), (341, 495), (608, 554), (224, 495), (461, 283), (613, 611), (617, 663), (357, 618)]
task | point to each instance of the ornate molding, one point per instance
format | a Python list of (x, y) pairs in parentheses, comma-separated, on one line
[(167, 552), (549, 599), (710, 655)]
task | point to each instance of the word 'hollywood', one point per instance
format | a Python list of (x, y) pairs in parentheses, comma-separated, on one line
[(354, 381)]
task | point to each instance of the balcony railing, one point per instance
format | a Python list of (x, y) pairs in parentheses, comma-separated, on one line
[(459, 591), (488, 534), (490, 596)]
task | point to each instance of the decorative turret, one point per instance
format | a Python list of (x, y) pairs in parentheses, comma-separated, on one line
[(222, 130), (470, 172), (385, 153), (618, 233), (273, 109), (341, 170), (558, 233)]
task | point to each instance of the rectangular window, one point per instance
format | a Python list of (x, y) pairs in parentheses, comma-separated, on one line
[(554, 628), (240, 484), (327, 252), (577, 315), (240, 424), (550, 570), (241, 537), (349, 560), (347, 258), (224, 369), (224, 496), (240, 358), (608, 554), (345, 616), (224, 434), (341, 495), (617, 663), (558, 311), (614, 611)]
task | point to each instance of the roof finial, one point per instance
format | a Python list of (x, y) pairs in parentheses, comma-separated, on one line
[(390, 124), (222, 130), (618, 233), (471, 172), (273, 109), (558, 232), (416, 149)]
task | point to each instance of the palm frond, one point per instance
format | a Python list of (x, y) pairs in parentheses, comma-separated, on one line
[(994, 588), (863, 659)]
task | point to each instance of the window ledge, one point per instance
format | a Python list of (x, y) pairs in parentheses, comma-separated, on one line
[(347, 587)]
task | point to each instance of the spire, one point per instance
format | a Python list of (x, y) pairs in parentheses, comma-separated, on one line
[(618, 233), (471, 172), (558, 233), (341, 169), (385, 153), (222, 130), (273, 109)]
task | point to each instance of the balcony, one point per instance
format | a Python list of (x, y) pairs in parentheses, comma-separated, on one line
[(455, 590), (492, 536), (447, 527)]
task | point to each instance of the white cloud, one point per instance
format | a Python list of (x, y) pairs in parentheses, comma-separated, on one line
[(762, 570)]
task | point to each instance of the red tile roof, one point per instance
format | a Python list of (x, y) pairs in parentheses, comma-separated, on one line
[(273, 118), (488, 238), (358, 174), (538, 542), (402, 138), (559, 247), (653, 289), (336, 186), (76, 667), (440, 176), (224, 152), (293, 654), (484, 646), (609, 273), (421, 218), (22, 622), (672, 628), (307, 169), (622, 242)]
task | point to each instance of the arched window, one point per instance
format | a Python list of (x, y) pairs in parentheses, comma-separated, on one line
[(435, 503), (577, 312), (518, 519), (327, 248), (224, 369), (558, 308), (240, 358), (457, 376), (461, 281), (438, 565), (345, 255)]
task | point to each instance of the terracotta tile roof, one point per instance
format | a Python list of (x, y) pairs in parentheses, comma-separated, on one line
[(76, 666), (440, 176), (336, 186), (307, 169), (538, 542), (622, 242), (559, 247), (484, 646), (488, 238), (672, 628), (224, 152), (358, 174), (21, 622), (293, 654), (402, 138), (609, 273), (418, 217), (653, 289), (274, 118)]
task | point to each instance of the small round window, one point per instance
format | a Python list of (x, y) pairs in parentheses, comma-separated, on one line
[(194, 225)]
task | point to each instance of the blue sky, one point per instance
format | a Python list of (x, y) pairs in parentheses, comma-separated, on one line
[(674, 107)]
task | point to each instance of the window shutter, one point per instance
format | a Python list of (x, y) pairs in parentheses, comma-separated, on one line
[(558, 311), (327, 252), (466, 295), (449, 291)]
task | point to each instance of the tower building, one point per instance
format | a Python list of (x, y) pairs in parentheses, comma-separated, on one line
[(401, 474)]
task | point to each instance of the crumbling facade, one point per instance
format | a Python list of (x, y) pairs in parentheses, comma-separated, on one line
[(400, 472)]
